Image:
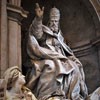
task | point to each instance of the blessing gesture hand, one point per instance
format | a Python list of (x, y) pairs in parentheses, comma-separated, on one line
[(39, 11)]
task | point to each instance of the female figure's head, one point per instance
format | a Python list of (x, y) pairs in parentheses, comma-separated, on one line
[(13, 76)]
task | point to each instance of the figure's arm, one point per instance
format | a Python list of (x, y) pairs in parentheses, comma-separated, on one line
[(83, 87), (76, 60), (36, 26), (35, 50), (79, 64)]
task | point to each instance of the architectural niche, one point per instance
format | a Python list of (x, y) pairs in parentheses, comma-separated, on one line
[(81, 28), (80, 23)]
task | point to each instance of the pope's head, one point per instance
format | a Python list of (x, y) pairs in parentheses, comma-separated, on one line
[(54, 19)]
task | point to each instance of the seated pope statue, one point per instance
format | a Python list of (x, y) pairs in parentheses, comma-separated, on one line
[(55, 72), (15, 85)]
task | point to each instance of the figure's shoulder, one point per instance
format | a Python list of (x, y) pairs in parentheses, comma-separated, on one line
[(47, 30), (11, 96), (28, 93), (7, 95)]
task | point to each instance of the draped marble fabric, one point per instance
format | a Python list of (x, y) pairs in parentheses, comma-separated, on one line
[(55, 72), (26, 95)]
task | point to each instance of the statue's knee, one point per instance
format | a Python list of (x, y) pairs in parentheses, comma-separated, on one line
[(50, 65)]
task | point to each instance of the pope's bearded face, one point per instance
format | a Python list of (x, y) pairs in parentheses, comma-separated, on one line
[(54, 25)]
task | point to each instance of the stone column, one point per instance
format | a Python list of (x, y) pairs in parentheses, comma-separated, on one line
[(3, 38), (15, 15)]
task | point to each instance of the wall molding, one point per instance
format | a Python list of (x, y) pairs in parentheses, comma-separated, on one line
[(16, 13), (87, 48)]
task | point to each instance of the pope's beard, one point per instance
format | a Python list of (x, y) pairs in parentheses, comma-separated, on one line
[(54, 28)]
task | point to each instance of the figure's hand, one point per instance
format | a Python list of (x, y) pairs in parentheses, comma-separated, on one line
[(39, 11), (28, 96)]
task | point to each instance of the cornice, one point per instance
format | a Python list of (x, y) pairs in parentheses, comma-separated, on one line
[(87, 48), (16, 13)]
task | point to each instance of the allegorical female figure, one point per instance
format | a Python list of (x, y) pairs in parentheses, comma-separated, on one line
[(15, 85)]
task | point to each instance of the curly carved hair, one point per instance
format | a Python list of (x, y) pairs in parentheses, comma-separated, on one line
[(11, 75)]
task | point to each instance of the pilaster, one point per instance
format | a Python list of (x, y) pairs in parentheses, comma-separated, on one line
[(15, 15), (3, 38)]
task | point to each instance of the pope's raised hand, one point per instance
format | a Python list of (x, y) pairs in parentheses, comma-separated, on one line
[(39, 11)]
